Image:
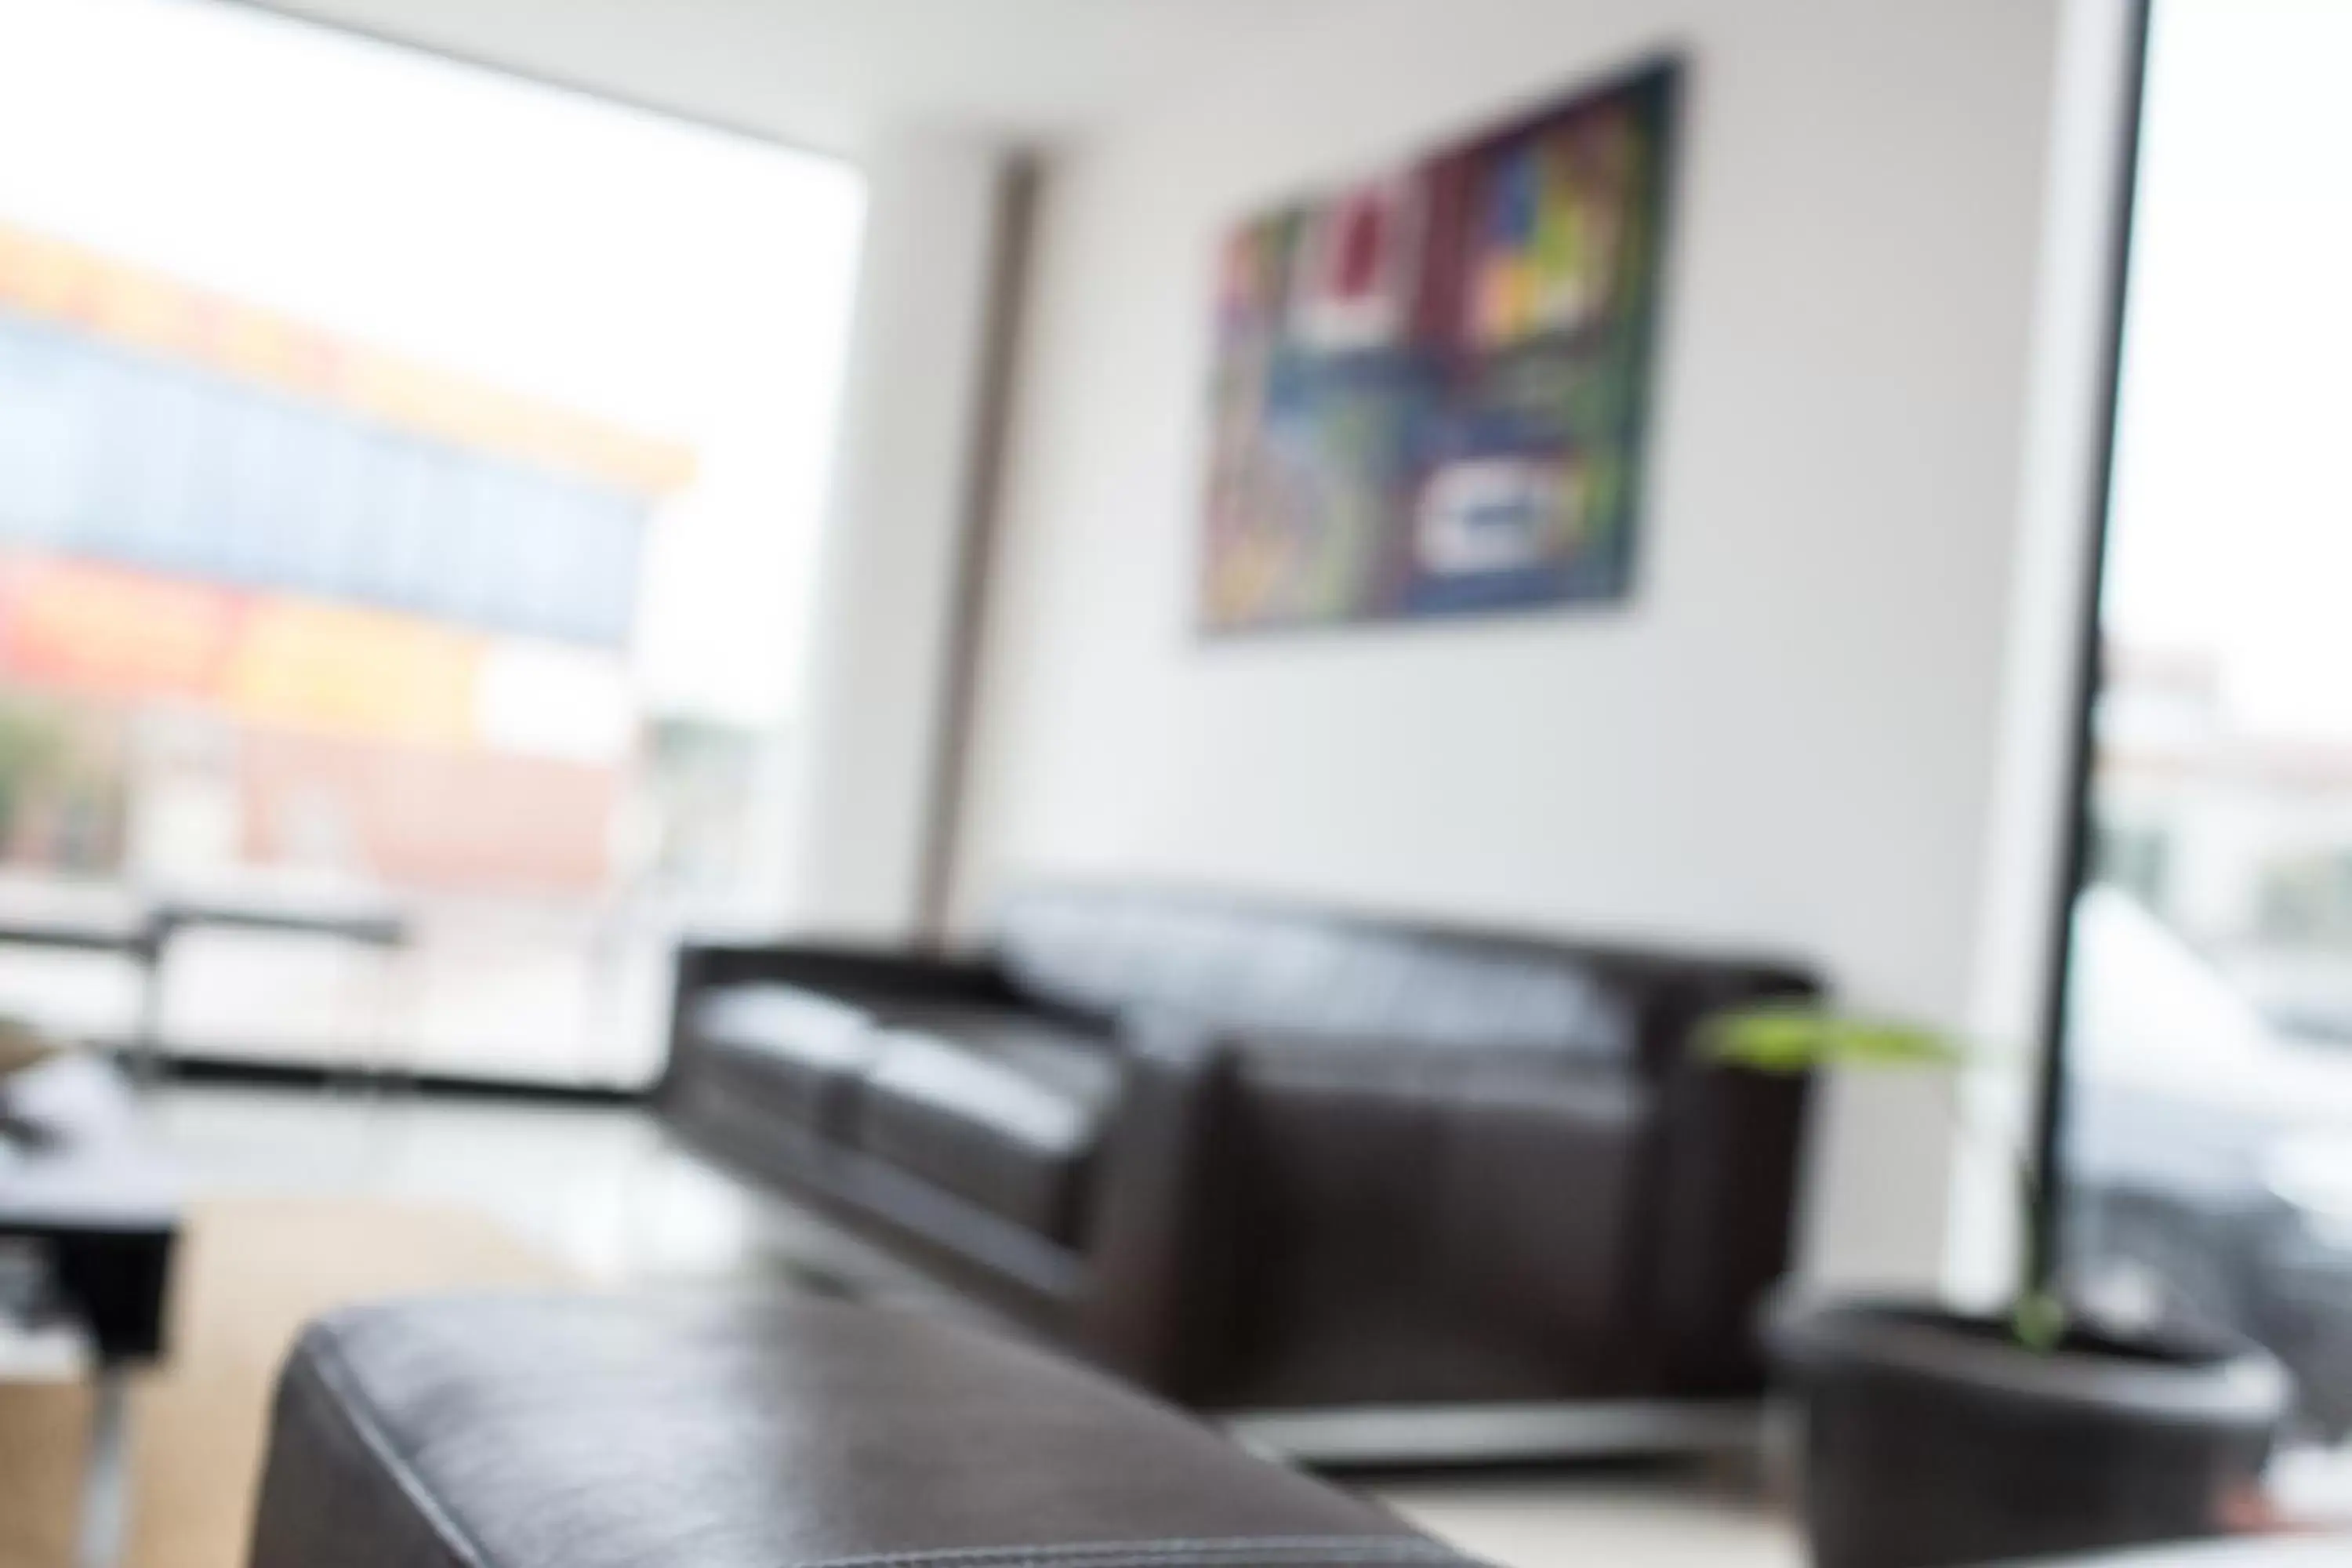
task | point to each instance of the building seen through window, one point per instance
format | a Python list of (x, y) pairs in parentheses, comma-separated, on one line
[(404, 536)]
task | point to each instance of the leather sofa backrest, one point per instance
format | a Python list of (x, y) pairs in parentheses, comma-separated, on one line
[(1100, 952)]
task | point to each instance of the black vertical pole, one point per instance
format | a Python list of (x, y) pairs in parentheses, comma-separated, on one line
[(2045, 1241)]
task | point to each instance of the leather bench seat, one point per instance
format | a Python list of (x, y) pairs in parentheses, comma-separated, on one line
[(1002, 1110), (602, 1432)]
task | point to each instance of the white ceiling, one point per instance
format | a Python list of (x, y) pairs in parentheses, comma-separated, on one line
[(829, 73)]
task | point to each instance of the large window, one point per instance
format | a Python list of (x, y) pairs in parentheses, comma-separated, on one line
[(409, 488), (2210, 1020)]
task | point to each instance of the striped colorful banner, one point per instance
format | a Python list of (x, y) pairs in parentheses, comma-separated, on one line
[(305, 666), (52, 279)]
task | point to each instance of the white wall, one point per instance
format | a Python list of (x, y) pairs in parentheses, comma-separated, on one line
[(1786, 740), (887, 578)]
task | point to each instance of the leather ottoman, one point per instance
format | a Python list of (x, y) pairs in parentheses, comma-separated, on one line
[(586, 1431)]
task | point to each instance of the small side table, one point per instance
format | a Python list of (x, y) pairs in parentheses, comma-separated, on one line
[(102, 1212)]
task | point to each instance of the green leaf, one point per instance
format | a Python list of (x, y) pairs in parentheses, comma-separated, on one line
[(1784, 1037), (2038, 1320)]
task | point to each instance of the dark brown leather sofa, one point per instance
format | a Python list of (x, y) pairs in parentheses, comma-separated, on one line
[(1267, 1158)]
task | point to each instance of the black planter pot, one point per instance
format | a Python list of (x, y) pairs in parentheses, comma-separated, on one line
[(1932, 1439)]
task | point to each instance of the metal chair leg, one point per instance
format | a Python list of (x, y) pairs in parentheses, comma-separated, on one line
[(105, 1528)]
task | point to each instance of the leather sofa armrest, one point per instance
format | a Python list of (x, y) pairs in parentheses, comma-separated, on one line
[(1709, 1193), (1159, 1300), (1723, 1221), (1232, 1145)]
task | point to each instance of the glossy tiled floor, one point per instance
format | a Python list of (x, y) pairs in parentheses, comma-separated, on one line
[(600, 1189)]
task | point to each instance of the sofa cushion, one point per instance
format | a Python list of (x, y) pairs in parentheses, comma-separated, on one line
[(796, 1052), (1001, 1109)]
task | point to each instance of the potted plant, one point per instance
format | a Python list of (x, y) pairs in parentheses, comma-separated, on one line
[(1936, 1436)]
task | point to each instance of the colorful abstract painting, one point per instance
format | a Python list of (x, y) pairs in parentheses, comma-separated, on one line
[(1430, 387)]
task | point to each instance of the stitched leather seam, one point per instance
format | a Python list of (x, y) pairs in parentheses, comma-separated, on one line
[(366, 1422), (1335, 1549)]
